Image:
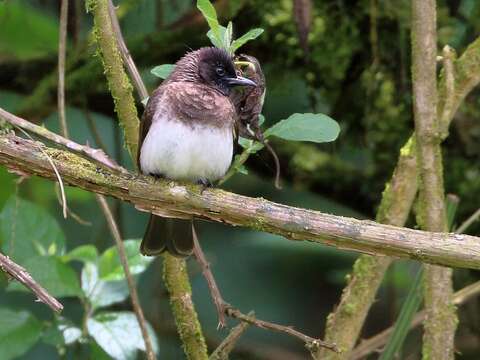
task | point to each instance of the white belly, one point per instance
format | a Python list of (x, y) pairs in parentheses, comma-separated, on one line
[(179, 152)]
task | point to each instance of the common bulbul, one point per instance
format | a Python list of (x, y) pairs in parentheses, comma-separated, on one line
[(187, 133)]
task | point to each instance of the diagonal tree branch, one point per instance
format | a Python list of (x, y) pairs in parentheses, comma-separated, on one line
[(457, 250), (22, 275)]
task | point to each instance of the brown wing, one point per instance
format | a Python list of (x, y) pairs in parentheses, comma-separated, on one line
[(192, 102), (146, 120)]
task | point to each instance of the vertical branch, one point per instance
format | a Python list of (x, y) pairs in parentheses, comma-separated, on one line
[(178, 285), (118, 82), (107, 212), (175, 270), (441, 321), (62, 45), (127, 58)]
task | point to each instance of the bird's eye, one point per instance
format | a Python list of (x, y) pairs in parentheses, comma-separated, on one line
[(220, 71)]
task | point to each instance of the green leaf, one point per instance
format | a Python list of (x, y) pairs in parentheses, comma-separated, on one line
[(101, 293), (218, 42), (251, 145), (62, 332), (58, 278), (27, 31), (118, 334), (162, 71), (110, 267), (19, 331), (83, 253), (261, 118), (227, 36), (29, 230), (242, 169), (402, 325), (210, 14), (306, 127), (252, 34)]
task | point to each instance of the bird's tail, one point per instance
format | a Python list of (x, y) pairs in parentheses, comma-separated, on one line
[(166, 234)]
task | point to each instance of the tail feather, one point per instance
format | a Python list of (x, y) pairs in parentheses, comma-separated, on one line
[(165, 234)]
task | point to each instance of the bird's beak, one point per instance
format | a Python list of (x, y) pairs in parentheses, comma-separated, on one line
[(240, 81)]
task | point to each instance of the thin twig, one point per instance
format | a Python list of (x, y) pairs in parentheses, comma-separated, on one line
[(374, 343), (466, 224), (93, 129), (277, 164), (225, 308), (126, 57), (311, 343), (449, 74), (220, 304), (21, 275), (57, 174), (130, 281), (96, 155), (62, 46), (70, 212), (226, 346)]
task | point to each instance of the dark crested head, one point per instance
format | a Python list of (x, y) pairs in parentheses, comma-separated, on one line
[(210, 66)]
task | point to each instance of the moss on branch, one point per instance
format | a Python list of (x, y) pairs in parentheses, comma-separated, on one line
[(293, 223)]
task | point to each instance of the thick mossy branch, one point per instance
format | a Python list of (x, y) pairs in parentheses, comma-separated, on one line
[(118, 81), (213, 204), (177, 282)]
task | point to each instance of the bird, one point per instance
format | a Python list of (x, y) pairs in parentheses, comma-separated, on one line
[(187, 133)]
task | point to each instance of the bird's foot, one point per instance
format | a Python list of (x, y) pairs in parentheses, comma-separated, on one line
[(204, 184)]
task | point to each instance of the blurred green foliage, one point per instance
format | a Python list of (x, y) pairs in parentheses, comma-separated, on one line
[(362, 83)]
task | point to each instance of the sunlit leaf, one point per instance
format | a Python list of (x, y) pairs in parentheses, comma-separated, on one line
[(83, 253), (306, 127), (210, 14), (118, 334), (110, 267), (101, 293), (218, 42), (163, 71), (227, 36), (19, 331), (252, 34)]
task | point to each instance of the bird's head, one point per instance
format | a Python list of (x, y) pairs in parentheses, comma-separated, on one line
[(212, 67)]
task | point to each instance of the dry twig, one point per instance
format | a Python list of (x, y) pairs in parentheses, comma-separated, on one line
[(94, 154), (20, 274), (130, 281), (226, 346), (62, 47)]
